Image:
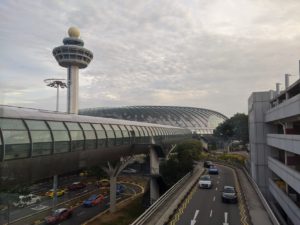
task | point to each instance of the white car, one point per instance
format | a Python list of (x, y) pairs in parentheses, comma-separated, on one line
[(205, 182), (26, 200), (129, 170)]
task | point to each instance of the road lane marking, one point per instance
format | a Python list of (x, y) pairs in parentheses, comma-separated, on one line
[(225, 218), (214, 199), (216, 188), (179, 212), (210, 215), (81, 213), (193, 221)]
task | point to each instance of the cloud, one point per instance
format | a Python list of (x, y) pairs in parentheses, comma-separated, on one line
[(209, 54)]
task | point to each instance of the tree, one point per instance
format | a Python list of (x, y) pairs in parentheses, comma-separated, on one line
[(235, 128), (182, 162)]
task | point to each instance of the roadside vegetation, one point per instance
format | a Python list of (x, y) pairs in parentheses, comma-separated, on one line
[(235, 129), (230, 158), (181, 161), (124, 215)]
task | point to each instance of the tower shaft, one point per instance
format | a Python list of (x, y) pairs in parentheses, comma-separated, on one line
[(73, 84)]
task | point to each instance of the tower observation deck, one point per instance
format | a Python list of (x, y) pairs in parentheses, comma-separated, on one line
[(73, 56)]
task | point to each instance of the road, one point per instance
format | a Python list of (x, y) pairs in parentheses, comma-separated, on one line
[(80, 214), (205, 205)]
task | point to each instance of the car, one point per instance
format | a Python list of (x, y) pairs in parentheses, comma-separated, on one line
[(59, 192), (26, 200), (213, 170), (229, 194), (58, 216), (120, 189), (76, 186), (93, 200), (104, 183), (129, 171), (205, 182), (207, 164)]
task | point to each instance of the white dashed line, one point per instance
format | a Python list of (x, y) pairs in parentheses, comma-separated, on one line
[(210, 215), (216, 188), (214, 199)]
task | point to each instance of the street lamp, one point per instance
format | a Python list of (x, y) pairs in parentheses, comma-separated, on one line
[(56, 83)]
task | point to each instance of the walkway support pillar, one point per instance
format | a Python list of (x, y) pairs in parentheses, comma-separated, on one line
[(154, 172), (113, 170)]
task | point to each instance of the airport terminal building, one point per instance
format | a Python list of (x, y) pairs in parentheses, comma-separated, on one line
[(274, 129), (199, 120)]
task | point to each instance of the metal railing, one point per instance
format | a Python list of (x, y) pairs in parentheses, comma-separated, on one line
[(159, 202)]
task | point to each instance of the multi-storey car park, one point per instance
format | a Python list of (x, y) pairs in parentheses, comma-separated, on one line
[(35, 144), (274, 128)]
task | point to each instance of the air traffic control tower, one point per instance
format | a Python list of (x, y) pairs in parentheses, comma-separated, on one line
[(73, 56)]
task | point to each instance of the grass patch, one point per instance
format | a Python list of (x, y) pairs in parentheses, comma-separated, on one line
[(125, 215)]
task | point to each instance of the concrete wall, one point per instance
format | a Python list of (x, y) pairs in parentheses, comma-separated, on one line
[(258, 104)]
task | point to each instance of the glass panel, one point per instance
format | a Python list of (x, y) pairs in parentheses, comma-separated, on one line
[(151, 132), (41, 136), (101, 134), (117, 131), (129, 128), (76, 135), (16, 151), (36, 125), (77, 145), (141, 131), (15, 137), (90, 135), (56, 125), (73, 126), (12, 124), (136, 132), (155, 131), (99, 130), (86, 126), (145, 131), (124, 131), (90, 144), (61, 136), (41, 149), (62, 146), (109, 131), (97, 126)]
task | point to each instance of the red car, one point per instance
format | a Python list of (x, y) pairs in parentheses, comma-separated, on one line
[(75, 186), (58, 216)]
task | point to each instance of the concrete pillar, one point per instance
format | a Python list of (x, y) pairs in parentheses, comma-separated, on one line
[(73, 87), (55, 182), (112, 193), (154, 171)]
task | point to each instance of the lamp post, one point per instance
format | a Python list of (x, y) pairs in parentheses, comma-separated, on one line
[(56, 83)]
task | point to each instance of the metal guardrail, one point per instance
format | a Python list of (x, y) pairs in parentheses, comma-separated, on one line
[(159, 202), (262, 198)]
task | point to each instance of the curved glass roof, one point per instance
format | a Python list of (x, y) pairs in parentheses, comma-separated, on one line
[(200, 120)]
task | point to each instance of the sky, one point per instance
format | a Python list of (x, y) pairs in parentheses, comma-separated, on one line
[(207, 54)]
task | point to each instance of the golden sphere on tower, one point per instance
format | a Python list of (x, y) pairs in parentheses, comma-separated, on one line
[(74, 32)]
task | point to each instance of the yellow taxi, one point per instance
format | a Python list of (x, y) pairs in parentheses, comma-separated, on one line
[(104, 183), (59, 192)]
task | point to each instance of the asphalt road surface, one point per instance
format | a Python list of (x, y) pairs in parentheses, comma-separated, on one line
[(205, 205)]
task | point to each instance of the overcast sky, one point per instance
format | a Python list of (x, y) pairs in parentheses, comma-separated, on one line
[(208, 54)]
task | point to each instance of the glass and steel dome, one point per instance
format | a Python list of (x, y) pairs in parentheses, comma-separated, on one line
[(199, 120)]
